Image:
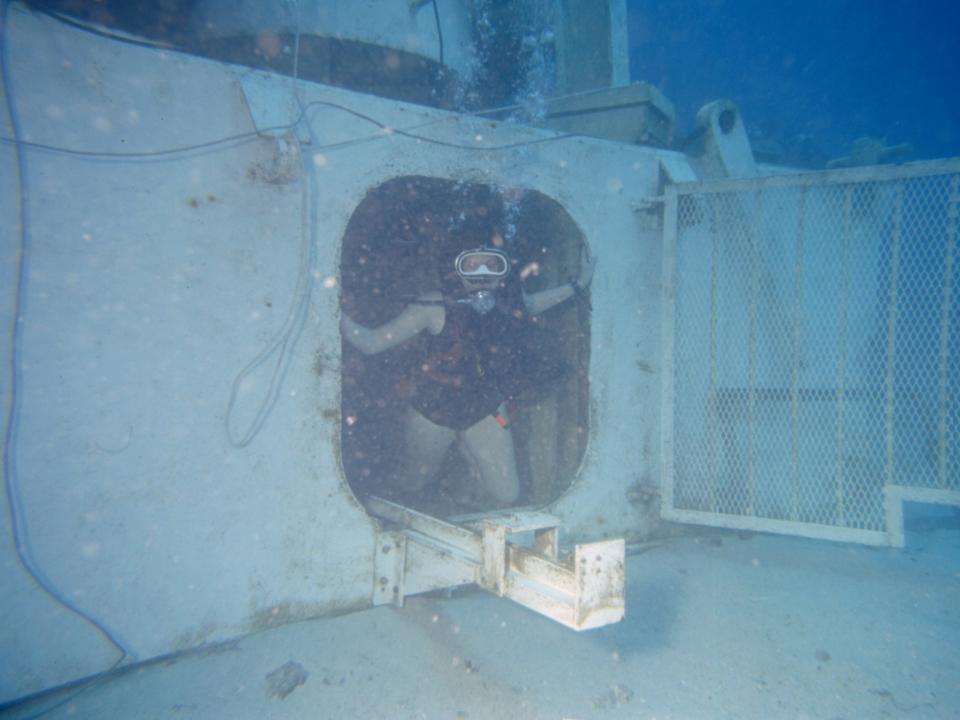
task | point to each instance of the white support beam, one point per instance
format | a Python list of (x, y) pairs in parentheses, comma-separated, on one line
[(585, 590)]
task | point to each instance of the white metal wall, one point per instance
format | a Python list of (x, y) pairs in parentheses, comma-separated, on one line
[(158, 280), (810, 368)]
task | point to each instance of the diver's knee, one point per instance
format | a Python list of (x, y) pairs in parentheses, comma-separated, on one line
[(507, 497), (505, 490), (417, 476)]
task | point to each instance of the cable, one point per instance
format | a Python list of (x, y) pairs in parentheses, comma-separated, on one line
[(153, 44), (19, 529), (95, 30), (144, 155), (296, 60), (243, 137), (289, 333), (432, 141), (436, 16), (78, 689), (387, 131)]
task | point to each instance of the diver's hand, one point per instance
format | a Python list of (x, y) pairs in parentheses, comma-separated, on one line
[(587, 264)]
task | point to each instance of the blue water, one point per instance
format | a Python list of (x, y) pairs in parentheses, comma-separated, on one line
[(809, 75)]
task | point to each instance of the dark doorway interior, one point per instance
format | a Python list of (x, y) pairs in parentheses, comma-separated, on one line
[(399, 244)]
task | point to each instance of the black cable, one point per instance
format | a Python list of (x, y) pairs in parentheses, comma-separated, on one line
[(93, 29), (436, 16), (78, 689)]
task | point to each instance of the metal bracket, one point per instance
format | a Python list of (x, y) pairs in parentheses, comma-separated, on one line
[(649, 204), (584, 590)]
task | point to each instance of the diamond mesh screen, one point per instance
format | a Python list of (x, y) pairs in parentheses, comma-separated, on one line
[(814, 343)]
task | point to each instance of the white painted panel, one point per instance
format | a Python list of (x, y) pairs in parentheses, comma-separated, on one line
[(154, 281)]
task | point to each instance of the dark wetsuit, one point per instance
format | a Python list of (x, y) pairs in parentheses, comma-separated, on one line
[(477, 362)]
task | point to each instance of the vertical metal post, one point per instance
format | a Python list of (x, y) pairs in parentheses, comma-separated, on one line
[(713, 404), (841, 382), (892, 334), (943, 449), (795, 361), (752, 348), (667, 319), (493, 557)]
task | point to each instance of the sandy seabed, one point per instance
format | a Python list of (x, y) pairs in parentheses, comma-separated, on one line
[(719, 625)]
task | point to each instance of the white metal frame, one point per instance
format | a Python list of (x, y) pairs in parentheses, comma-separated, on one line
[(417, 553), (894, 495)]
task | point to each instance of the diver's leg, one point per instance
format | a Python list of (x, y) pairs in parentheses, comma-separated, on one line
[(491, 448), (426, 444)]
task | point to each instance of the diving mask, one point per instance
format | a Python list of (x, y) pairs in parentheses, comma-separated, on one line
[(482, 264), (485, 268)]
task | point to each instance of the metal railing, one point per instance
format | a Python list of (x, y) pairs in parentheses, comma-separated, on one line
[(811, 348)]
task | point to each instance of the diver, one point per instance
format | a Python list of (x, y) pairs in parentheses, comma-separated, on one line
[(479, 356)]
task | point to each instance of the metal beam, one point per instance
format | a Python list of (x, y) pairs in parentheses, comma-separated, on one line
[(584, 590)]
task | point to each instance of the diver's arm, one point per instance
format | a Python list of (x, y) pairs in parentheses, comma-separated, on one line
[(542, 301), (404, 326)]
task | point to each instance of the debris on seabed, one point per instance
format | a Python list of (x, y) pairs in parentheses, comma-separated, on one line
[(617, 696), (285, 679)]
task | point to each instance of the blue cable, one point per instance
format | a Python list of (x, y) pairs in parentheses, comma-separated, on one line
[(18, 524)]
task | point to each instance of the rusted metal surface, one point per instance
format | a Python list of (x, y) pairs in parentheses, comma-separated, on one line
[(600, 583), (389, 561)]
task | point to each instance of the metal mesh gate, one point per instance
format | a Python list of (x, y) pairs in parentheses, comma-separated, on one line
[(811, 359)]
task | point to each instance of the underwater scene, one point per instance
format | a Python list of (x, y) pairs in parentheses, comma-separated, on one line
[(479, 359)]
